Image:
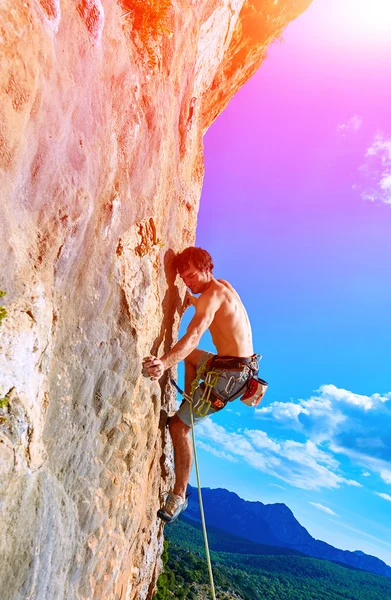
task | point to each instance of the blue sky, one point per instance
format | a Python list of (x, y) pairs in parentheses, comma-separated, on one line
[(296, 212)]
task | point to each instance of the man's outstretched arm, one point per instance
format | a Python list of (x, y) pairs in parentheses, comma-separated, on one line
[(206, 308)]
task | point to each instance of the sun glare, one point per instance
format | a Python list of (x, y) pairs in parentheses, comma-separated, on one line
[(366, 18), (352, 22), (373, 15)]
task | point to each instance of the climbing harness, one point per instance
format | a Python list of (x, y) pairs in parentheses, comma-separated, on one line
[(211, 370)]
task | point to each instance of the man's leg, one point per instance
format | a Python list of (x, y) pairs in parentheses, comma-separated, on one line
[(180, 435), (191, 365), (180, 426), (180, 432)]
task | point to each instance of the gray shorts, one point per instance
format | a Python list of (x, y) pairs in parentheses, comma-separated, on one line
[(228, 385)]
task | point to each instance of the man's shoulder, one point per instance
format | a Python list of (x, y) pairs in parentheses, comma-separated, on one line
[(226, 284), (219, 287), (214, 293)]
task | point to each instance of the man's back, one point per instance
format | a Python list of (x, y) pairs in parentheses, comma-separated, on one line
[(230, 328)]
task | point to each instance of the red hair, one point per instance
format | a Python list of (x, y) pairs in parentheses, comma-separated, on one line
[(200, 258)]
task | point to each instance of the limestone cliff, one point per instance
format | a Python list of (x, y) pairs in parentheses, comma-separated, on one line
[(103, 106)]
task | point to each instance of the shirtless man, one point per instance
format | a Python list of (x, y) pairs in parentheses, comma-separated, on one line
[(220, 310)]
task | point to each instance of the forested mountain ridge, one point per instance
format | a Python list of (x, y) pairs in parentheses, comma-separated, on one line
[(267, 573), (273, 524)]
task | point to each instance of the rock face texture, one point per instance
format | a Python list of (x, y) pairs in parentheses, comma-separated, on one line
[(103, 106)]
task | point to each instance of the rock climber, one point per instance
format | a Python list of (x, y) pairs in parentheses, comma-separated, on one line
[(223, 375)]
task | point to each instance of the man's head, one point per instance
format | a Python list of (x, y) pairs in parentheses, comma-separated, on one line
[(194, 266)]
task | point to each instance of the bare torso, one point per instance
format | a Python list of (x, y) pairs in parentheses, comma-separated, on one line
[(230, 329)]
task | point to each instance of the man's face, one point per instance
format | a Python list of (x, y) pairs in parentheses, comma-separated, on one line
[(195, 279)]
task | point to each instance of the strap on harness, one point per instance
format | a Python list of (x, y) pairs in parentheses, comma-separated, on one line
[(234, 363)]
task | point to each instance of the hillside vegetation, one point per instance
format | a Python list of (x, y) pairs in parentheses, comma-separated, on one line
[(247, 571)]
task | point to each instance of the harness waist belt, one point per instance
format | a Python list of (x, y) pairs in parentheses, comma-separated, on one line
[(233, 363)]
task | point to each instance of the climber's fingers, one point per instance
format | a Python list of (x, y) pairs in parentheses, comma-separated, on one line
[(153, 366)]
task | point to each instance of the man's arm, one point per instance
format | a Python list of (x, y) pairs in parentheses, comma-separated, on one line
[(206, 308), (189, 300)]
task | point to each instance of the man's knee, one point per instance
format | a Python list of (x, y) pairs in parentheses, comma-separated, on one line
[(178, 428), (193, 358)]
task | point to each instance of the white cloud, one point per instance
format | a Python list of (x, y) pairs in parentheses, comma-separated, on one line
[(216, 452), (324, 508), (283, 411), (385, 496), (331, 392), (366, 474), (385, 474), (380, 541), (377, 170), (375, 442), (281, 487), (352, 125), (302, 465), (376, 465), (343, 422)]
